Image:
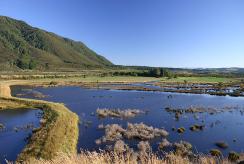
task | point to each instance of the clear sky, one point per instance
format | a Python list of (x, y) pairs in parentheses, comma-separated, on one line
[(173, 33)]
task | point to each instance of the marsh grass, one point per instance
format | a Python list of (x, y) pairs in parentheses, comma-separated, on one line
[(114, 132), (127, 113), (103, 157)]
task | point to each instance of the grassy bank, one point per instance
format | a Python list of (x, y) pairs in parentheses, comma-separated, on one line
[(58, 131)]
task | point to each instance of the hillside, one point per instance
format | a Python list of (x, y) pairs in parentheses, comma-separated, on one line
[(26, 47)]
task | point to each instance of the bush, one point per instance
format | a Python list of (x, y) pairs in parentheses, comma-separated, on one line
[(215, 152), (233, 156), (24, 62), (32, 64), (53, 83), (183, 148), (181, 130)]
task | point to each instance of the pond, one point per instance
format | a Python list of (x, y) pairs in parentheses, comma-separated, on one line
[(220, 126), (16, 127)]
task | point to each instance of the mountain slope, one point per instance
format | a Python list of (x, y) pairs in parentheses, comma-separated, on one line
[(26, 47)]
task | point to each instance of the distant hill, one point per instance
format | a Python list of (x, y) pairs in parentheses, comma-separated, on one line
[(26, 47)]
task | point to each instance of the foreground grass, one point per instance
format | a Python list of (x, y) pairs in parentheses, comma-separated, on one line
[(114, 158), (58, 131)]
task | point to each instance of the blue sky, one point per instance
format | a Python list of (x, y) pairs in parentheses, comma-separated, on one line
[(172, 33)]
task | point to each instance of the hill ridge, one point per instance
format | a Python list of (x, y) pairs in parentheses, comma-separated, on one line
[(25, 47)]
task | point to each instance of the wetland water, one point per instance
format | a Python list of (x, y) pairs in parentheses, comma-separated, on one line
[(17, 125), (224, 126)]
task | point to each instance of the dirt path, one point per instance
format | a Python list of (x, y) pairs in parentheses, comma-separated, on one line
[(5, 90)]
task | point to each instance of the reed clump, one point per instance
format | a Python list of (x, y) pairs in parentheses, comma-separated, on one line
[(114, 132), (111, 157), (164, 143), (118, 113)]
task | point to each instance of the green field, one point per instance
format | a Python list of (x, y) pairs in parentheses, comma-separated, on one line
[(201, 79), (113, 79), (129, 79)]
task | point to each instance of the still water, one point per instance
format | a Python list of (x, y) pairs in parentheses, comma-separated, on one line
[(18, 125), (224, 126)]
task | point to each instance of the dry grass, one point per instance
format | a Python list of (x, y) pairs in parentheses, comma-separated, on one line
[(6, 104), (86, 157), (59, 132), (114, 132), (118, 113)]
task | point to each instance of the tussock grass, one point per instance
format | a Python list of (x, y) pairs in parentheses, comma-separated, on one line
[(86, 157), (114, 132), (118, 113), (164, 143)]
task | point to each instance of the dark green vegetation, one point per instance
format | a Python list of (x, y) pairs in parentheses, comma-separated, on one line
[(233, 156), (196, 127), (215, 152), (147, 72), (26, 47), (196, 72), (181, 130)]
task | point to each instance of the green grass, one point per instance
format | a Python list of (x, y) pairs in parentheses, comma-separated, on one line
[(113, 79), (201, 79), (123, 79), (129, 79)]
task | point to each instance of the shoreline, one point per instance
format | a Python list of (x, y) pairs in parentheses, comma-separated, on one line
[(113, 85), (58, 132)]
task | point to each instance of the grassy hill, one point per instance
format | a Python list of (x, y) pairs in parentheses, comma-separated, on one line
[(26, 47)]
